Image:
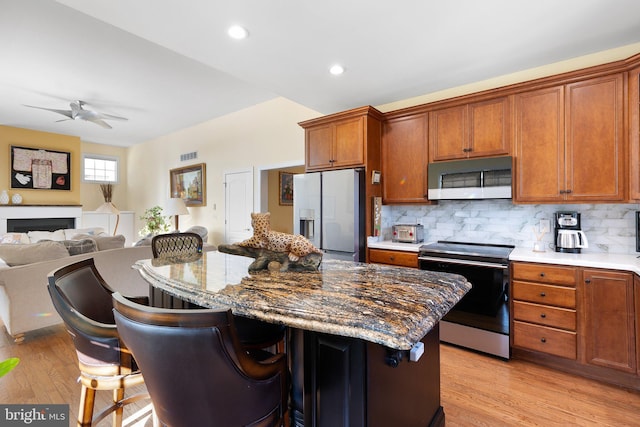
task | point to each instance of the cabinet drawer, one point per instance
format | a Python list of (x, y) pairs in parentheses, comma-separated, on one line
[(562, 318), (544, 294), (552, 274), (404, 259), (544, 339)]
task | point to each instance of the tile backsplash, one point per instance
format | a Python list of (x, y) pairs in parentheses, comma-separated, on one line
[(610, 228)]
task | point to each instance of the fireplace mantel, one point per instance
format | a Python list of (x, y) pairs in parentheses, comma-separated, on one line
[(39, 211)]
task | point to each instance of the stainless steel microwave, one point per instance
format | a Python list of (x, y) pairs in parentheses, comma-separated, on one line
[(484, 178)]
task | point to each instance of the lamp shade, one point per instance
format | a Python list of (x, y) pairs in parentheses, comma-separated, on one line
[(108, 207), (176, 206)]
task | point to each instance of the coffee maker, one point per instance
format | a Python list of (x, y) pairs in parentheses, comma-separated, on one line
[(569, 237)]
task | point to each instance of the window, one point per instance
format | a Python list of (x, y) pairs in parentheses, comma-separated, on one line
[(97, 168)]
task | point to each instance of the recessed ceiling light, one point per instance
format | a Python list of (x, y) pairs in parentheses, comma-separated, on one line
[(237, 32), (336, 69)]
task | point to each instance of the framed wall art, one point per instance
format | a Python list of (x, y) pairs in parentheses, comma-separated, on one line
[(189, 183), (40, 169), (286, 189)]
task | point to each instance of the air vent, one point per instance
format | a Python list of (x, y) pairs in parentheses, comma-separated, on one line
[(188, 156)]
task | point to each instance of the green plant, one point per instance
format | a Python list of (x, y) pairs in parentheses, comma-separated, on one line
[(7, 365), (154, 222)]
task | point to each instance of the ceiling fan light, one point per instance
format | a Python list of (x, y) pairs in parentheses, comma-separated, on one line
[(237, 32)]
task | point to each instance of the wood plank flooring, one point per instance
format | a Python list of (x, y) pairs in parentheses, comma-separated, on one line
[(477, 390)]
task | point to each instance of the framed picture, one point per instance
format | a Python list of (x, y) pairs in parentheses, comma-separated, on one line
[(286, 189), (40, 169), (189, 183)]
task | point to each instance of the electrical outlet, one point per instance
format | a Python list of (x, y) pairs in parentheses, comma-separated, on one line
[(545, 226)]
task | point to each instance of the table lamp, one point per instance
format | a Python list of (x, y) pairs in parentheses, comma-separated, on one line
[(176, 207), (110, 208)]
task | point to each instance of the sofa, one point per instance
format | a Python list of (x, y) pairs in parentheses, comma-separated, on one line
[(25, 304)]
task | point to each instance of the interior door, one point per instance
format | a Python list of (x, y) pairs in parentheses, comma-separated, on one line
[(238, 196)]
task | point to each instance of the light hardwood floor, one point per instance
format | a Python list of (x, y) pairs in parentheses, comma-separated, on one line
[(477, 390)]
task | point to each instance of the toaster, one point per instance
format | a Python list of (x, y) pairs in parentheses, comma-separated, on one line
[(408, 233)]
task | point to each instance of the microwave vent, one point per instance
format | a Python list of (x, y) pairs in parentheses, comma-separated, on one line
[(490, 178)]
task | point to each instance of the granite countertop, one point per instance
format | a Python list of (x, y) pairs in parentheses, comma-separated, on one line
[(392, 306)]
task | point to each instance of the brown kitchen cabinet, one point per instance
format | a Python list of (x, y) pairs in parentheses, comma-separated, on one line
[(544, 309), (608, 318), (340, 140), (477, 129), (634, 134), (636, 282), (570, 143), (391, 257), (404, 159)]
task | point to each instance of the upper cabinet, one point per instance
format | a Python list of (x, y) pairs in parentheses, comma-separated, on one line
[(634, 134), (477, 129), (340, 140), (570, 142), (404, 159)]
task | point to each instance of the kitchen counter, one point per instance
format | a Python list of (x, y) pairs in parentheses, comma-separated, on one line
[(395, 246), (626, 262), (387, 305), (612, 261)]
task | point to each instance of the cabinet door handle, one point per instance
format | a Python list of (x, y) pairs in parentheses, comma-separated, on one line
[(392, 258), (543, 340), (587, 281), (541, 274), (543, 315), (543, 294)]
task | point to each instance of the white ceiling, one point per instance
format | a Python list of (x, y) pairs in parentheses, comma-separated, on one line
[(169, 64)]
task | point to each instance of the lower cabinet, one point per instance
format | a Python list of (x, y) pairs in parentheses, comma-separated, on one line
[(608, 316), (347, 382), (400, 258), (582, 320), (544, 309)]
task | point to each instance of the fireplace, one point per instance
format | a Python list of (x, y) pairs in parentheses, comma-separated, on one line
[(39, 224), (24, 218)]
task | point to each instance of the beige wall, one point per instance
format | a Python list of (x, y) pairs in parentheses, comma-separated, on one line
[(91, 196), (35, 139), (265, 134)]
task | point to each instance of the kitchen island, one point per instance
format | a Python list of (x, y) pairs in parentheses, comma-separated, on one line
[(352, 328)]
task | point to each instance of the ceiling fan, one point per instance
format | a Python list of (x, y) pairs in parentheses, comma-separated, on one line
[(78, 112)]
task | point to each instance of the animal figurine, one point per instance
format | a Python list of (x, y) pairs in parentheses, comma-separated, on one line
[(264, 238)]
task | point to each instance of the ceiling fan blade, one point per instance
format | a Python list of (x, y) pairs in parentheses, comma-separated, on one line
[(67, 113), (112, 117), (101, 123)]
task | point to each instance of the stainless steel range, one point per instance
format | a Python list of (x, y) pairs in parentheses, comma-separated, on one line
[(480, 321)]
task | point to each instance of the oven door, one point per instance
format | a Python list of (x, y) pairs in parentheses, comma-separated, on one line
[(489, 283), (480, 320)]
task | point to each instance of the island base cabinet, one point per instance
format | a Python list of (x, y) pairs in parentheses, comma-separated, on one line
[(351, 383)]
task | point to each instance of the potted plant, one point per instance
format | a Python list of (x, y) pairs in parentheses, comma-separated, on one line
[(155, 222)]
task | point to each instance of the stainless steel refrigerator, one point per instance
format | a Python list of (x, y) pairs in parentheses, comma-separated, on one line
[(328, 209)]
